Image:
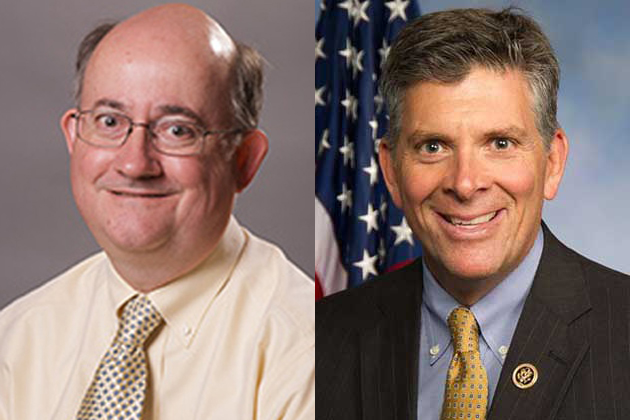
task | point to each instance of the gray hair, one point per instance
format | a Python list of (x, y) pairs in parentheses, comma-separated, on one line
[(444, 46), (246, 92)]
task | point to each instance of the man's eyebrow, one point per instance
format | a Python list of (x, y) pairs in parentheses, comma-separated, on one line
[(509, 131), (110, 103), (422, 135), (181, 110)]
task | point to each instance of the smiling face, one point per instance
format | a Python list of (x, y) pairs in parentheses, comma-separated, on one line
[(470, 172), (135, 200)]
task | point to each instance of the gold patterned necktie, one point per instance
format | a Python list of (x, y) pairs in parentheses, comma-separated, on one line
[(119, 385), (466, 392)]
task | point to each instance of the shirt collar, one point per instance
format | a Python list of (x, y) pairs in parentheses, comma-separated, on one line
[(497, 313), (184, 301)]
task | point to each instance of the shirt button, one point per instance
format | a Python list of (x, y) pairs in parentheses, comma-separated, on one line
[(434, 350), (503, 350), (186, 330)]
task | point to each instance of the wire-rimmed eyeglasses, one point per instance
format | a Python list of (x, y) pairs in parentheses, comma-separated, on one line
[(170, 135)]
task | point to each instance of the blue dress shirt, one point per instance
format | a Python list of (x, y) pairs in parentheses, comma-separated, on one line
[(497, 314)]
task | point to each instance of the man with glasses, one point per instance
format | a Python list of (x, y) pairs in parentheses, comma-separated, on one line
[(185, 315)]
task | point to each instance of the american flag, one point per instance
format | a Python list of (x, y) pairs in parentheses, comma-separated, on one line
[(359, 233)]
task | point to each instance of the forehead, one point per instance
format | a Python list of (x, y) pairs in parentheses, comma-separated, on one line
[(145, 70), (484, 100)]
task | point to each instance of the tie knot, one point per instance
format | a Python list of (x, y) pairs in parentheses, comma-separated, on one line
[(464, 330), (137, 322)]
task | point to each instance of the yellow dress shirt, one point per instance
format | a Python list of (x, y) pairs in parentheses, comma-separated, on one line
[(238, 340)]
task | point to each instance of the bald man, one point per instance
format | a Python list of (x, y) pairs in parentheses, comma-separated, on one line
[(185, 314)]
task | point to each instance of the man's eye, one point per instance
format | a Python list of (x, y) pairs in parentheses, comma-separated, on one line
[(431, 147), (107, 121), (502, 143), (179, 131)]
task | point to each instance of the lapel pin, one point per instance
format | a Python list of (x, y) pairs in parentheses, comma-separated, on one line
[(525, 376)]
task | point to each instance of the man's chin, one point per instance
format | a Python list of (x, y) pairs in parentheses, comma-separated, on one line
[(132, 242), (468, 267)]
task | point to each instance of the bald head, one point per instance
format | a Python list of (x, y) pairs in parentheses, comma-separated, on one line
[(184, 34), (176, 25)]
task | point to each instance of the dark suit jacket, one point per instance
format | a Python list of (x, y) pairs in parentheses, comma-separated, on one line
[(574, 328)]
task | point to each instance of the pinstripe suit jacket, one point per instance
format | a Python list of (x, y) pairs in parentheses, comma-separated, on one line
[(574, 328)]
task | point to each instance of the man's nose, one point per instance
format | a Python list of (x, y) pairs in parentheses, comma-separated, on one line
[(137, 158), (468, 174)]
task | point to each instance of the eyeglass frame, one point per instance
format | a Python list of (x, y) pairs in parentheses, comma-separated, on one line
[(149, 127)]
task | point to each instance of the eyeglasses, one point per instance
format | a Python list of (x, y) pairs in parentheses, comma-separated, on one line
[(170, 135)]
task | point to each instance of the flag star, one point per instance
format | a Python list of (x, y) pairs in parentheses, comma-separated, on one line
[(345, 198), (378, 101), (319, 49), (384, 51), (319, 96), (347, 150), (348, 52), (356, 63), (356, 10), (323, 144), (397, 8), (372, 170), (382, 251), (359, 12), (367, 264), (403, 232), (322, 5), (383, 208), (351, 104), (348, 5), (374, 124), (370, 218)]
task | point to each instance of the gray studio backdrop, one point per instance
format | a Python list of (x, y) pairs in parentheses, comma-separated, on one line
[(41, 232), (592, 42)]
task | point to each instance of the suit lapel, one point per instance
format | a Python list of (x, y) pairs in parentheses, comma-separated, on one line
[(549, 335), (389, 352)]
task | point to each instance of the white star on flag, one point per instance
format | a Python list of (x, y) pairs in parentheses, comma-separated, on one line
[(359, 12), (384, 51), (372, 170), (351, 104), (370, 218), (403, 232), (397, 8), (347, 150), (367, 264), (374, 124), (347, 52), (345, 198), (319, 49), (323, 144), (356, 63), (319, 93)]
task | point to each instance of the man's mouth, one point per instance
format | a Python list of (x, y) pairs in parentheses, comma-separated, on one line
[(484, 218), (140, 194)]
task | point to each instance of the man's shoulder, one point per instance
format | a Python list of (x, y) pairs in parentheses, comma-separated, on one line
[(275, 283), (558, 256), (363, 305), (54, 295)]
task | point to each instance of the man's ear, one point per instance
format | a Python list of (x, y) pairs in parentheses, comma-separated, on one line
[(556, 162), (248, 156), (386, 159), (68, 126)]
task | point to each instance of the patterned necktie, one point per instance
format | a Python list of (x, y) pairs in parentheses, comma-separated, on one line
[(119, 385), (466, 392)]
